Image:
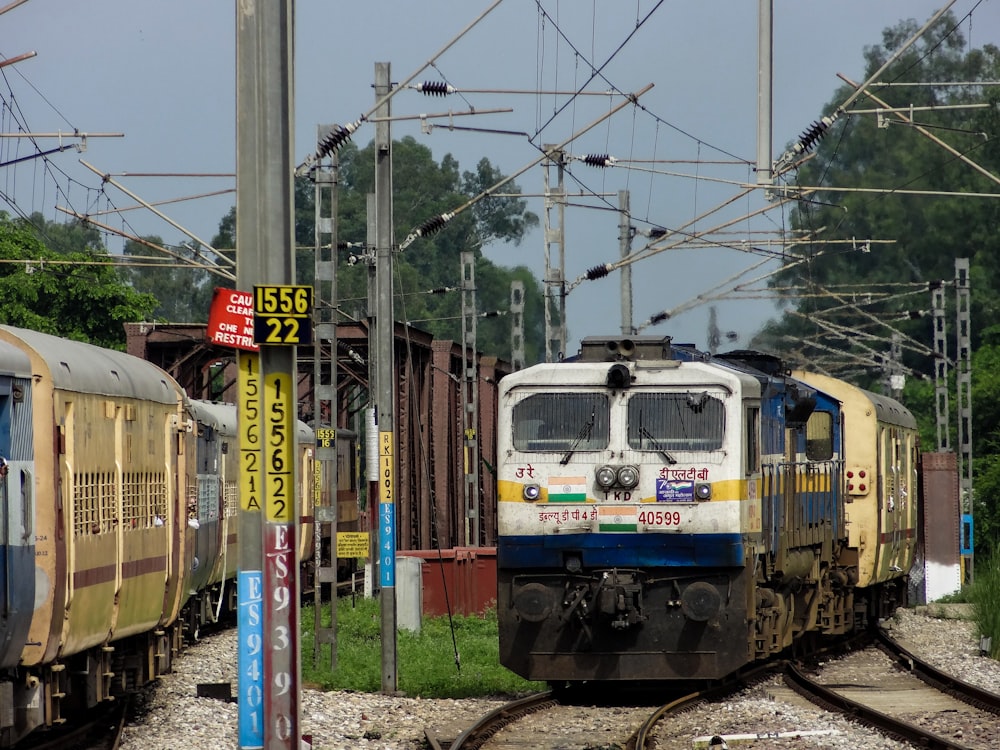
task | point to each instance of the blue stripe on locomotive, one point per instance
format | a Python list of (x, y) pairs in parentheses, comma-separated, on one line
[(785, 403), (622, 550), (821, 506), (17, 508)]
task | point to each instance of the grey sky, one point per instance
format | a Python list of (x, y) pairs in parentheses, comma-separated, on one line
[(163, 73)]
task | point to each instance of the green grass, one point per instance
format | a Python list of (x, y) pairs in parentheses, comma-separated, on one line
[(985, 597), (426, 664)]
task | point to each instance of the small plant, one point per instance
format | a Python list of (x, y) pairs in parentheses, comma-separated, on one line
[(959, 597), (985, 597), (427, 665)]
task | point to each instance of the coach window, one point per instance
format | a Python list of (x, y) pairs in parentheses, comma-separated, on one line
[(562, 422), (819, 436), (752, 441)]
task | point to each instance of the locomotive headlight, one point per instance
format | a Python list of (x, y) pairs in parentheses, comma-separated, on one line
[(531, 492), (703, 491), (628, 477), (606, 477)]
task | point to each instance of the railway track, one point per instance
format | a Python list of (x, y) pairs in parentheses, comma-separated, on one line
[(892, 690), (541, 719), (101, 730), (882, 685)]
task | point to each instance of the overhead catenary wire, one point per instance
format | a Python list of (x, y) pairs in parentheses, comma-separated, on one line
[(704, 297), (125, 209), (436, 223), (342, 133), (903, 118), (208, 265), (815, 132), (107, 178), (655, 248)]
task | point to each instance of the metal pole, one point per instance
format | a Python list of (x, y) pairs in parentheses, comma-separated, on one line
[(470, 400), (385, 402), (963, 383), (941, 416), (325, 411)]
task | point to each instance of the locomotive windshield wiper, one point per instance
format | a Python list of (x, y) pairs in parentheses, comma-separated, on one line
[(585, 432), (643, 432)]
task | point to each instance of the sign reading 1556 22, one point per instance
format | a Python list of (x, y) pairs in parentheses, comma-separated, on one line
[(282, 315)]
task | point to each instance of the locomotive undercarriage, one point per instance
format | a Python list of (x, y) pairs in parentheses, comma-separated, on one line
[(663, 624), (785, 610), (623, 624)]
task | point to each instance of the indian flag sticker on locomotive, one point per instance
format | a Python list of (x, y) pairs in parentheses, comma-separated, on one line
[(617, 518), (673, 491), (567, 489)]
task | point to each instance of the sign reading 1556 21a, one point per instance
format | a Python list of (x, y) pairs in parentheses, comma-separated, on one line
[(282, 315)]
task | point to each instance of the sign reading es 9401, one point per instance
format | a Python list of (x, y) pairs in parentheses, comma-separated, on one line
[(282, 315)]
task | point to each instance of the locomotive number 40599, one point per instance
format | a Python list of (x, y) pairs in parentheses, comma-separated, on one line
[(660, 517)]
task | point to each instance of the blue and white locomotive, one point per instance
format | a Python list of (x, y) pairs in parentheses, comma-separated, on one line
[(666, 515)]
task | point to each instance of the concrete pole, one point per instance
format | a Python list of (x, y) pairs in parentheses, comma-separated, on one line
[(625, 244), (385, 402)]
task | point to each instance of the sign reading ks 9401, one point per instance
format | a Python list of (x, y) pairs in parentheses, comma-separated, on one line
[(282, 315)]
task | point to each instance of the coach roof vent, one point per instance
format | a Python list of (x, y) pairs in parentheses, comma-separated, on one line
[(614, 349)]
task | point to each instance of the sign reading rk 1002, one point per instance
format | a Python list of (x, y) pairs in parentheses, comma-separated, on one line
[(282, 315)]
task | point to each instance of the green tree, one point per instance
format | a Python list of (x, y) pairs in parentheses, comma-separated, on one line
[(853, 297), (182, 285), (75, 291), (423, 189)]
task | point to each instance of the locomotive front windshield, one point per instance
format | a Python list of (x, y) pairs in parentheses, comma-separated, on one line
[(693, 421), (562, 422)]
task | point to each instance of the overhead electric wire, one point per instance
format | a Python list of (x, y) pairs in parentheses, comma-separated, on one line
[(393, 90), (436, 223)]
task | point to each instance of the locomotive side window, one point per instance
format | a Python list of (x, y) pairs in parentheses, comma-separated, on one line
[(819, 436), (676, 421), (562, 422)]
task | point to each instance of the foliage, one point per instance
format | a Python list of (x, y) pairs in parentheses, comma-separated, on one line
[(852, 300), (855, 296), (69, 285), (426, 663), (182, 285), (428, 275), (423, 189), (985, 598)]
